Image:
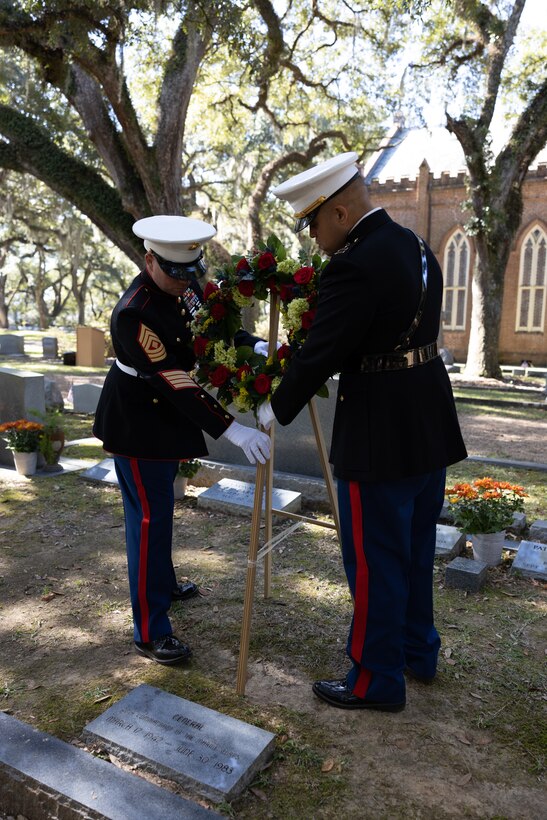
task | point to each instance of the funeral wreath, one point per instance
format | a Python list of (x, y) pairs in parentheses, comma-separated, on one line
[(241, 376)]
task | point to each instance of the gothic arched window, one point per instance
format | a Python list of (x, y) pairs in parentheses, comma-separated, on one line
[(456, 279), (532, 275)]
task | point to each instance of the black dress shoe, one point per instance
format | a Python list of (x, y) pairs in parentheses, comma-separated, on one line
[(337, 693), (167, 649), (183, 592)]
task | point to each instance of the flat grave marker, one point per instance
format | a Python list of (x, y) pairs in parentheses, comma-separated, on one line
[(531, 559), (207, 752), (449, 542), (229, 495), (42, 776)]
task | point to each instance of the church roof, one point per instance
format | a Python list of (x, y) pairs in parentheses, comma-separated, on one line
[(404, 149)]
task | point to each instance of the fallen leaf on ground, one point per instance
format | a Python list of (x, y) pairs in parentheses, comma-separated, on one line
[(328, 765), (475, 695), (101, 700), (462, 738), (462, 781), (258, 793)]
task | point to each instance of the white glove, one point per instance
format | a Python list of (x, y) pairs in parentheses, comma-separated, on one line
[(261, 348), (266, 415), (255, 445)]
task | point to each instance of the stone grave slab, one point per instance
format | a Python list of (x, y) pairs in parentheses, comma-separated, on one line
[(85, 397), (229, 495), (449, 542), (50, 347), (205, 751), (42, 776), (538, 531), (531, 559), (103, 471), (464, 573), (10, 344)]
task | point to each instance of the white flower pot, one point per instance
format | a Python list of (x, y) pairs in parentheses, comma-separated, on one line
[(25, 463), (488, 546), (179, 486)]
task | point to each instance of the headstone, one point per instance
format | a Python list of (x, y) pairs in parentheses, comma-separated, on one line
[(538, 531), (464, 573), (450, 541), (103, 471), (12, 345), (21, 397), (531, 559), (205, 751), (519, 522), (52, 395), (229, 495), (42, 776), (85, 397), (69, 358), (50, 348)]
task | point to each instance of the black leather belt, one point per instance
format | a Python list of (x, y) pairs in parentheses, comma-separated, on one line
[(398, 359)]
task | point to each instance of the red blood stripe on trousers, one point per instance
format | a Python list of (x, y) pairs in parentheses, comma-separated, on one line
[(143, 550), (360, 610)]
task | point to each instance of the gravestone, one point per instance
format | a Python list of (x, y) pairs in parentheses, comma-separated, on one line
[(50, 348), (205, 751), (103, 471), (531, 559), (449, 541), (538, 531), (85, 397), (463, 573), (21, 393), (42, 776), (229, 495), (12, 345)]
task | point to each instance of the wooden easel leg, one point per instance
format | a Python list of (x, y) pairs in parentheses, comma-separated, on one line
[(325, 466), (250, 581), (268, 518)]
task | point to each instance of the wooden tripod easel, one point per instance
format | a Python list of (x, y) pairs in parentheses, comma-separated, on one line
[(264, 478)]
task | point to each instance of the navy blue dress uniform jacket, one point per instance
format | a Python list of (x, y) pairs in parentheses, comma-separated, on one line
[(390, 424), (161, 413)]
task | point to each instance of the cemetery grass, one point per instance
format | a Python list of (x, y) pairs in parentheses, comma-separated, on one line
[(472, 744)]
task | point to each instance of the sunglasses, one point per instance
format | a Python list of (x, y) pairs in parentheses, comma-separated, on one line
[(182, 270)]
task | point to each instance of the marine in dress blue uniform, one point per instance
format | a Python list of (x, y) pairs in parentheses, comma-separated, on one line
[(152, 414), (395, 428)]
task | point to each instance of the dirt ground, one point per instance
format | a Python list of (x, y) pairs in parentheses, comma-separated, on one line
[(465, 746)]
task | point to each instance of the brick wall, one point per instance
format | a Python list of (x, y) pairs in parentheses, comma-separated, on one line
[(433, 208)]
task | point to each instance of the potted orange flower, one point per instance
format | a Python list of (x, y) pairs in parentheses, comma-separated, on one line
[(483, 510), (23, 437)]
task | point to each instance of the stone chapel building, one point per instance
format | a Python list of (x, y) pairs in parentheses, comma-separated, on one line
[(418, 175)]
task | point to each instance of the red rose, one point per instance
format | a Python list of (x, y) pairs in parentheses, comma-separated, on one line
[(200, 345), (266, 260), (307, 319), (271, 284), (243, 370), (210, 288), (218, 312), (219, 375), (286, 292), (246, 287), (284, 352), (262, 383), (303, 275), (243, 265)]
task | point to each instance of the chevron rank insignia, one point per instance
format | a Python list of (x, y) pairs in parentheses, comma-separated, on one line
[(151, 344), (178, 379)]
